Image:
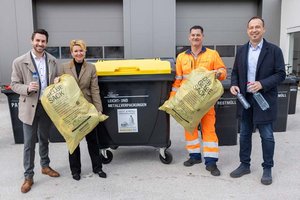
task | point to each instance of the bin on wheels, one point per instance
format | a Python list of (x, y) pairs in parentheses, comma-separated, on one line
[(131, 93), (226, 121), (17, 125), (293, 94), (280, 124)]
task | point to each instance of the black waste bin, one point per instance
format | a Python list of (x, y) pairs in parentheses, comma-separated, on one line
[(293, 94), (131, 93), (226, 120), (17, 125), (280, 123)]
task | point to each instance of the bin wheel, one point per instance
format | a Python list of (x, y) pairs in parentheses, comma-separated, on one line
[(109, 158), (168, 158)]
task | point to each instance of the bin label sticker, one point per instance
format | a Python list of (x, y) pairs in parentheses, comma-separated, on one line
[(226, 101), (282, 94), (123, 101), (127, 121)]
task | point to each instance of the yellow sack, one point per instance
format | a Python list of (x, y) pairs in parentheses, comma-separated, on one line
[(194, 98), (70, 112)]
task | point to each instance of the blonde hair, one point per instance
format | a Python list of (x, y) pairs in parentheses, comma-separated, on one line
[(80, 43)]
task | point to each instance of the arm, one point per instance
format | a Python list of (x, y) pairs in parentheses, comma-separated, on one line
[(234, 89), (277, 75), (219, 66), (19, 84), (95, 91), (178, 77)]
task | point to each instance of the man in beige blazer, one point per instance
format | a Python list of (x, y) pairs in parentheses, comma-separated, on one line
[(36, 123)]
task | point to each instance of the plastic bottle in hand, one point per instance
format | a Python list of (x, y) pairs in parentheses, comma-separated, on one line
[(243, 101), (35, 77), (261, 101)]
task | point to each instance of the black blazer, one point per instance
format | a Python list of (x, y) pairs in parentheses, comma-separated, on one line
[(270, 73)]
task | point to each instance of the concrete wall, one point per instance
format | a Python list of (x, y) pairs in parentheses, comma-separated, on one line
[(17, 25), (271, 13), (290, 23), (149, 28)]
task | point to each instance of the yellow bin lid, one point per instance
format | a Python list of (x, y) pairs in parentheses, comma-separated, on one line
[(132, 67)]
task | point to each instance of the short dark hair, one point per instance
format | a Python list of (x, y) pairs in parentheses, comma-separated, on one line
[(256, 17), (40, 31), (197, 27)]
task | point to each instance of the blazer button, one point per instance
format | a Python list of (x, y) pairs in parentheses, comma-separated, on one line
[(32, 106)]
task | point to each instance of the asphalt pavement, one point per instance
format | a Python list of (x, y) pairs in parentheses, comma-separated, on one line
[(136, 172)]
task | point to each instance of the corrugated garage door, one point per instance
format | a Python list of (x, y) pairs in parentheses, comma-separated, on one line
[(224, 24), (98, 22)]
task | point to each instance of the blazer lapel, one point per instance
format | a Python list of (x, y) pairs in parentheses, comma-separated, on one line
[(73, 70), (244, 60), (83, 68), (29, 63), (262, 55)]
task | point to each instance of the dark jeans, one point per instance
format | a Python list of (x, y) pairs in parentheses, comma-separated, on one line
[(266, 135), (93, 148)]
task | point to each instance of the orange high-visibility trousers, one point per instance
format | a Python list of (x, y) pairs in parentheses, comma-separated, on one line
[(209, 137)]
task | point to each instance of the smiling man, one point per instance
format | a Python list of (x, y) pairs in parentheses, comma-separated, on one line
[(258, 67), (200, 56), (36, 122)]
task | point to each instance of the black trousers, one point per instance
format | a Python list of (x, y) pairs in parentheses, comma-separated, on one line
[(93, 148)]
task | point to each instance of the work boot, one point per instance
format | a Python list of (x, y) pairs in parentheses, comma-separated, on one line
[(191, 162), (240, 171), (266, 178), (213, 169)]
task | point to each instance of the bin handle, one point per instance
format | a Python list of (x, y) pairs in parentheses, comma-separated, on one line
[(127, 69)]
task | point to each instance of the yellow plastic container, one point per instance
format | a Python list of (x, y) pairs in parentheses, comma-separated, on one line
[(132, 67)]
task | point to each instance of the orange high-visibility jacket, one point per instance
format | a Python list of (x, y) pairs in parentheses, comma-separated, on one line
[(185, 63)]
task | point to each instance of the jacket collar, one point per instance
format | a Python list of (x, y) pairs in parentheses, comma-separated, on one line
[(72, 68), (189, 51)]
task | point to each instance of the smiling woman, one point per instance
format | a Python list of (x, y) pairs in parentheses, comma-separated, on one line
[(87, 80), (78, 49)]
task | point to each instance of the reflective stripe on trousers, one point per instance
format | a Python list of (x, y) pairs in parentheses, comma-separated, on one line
[(209, 137)]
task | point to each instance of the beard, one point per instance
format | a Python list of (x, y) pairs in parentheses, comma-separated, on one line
[(39, 49)]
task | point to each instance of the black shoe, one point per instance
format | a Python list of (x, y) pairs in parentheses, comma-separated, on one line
[(240, 171), (76, 177), (101, 174), (191, 162), (266, 178), (213, 170)]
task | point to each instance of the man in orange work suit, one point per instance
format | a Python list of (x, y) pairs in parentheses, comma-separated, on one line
[(199, 56)]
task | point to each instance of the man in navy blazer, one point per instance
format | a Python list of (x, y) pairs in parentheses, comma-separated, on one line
[(258, 67)]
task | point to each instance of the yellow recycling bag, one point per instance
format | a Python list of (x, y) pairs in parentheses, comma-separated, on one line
[(70, 112), (194, 98)]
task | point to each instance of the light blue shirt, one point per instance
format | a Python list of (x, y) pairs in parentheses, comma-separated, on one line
[(253, 55)]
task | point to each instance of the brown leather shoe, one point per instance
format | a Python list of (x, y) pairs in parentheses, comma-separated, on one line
[(26, 185), (50, 172)]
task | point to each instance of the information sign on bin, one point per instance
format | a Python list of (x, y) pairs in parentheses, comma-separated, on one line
[(131, 93)]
